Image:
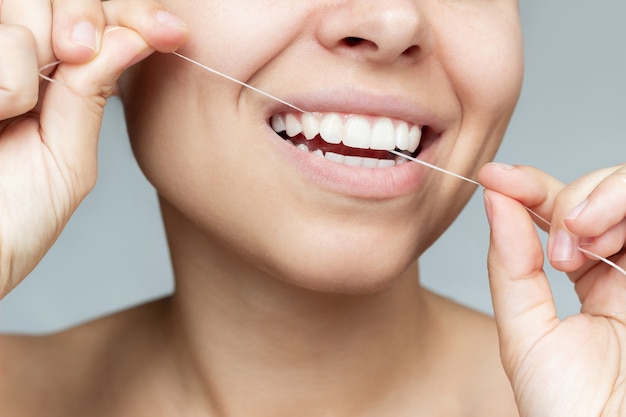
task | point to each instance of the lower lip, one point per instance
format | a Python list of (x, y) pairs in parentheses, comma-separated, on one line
[(368, 183)]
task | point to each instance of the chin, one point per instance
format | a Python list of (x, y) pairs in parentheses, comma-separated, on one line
[(345, 275)]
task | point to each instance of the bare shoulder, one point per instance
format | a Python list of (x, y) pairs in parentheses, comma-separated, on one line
[(473, 340), (36, 370), (56, 374)]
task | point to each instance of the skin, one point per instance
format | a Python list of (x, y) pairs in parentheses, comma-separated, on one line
[(276, 320)]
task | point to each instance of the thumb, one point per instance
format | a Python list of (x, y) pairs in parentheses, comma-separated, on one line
[(72, 108), (522, 299)]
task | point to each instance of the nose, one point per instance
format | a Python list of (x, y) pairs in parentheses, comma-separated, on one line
[(379, 31)]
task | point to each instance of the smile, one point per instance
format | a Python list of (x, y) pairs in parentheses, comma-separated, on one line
[(349, 139)]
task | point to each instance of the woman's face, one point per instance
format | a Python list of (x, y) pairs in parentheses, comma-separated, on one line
[(374, 74)]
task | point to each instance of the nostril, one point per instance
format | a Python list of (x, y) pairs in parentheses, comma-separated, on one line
[(359, 43), (411, 50), (353, 41), (362, 44)]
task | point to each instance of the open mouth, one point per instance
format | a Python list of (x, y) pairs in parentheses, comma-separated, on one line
[(353, 140)]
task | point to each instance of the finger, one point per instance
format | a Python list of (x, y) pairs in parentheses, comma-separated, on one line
[(608, 243), (531, 187), (19, 82), (161, 29), (77, 29), (71, 112), (603, 208), (602, 290), (35, 15), (564, 240), (522, 299)]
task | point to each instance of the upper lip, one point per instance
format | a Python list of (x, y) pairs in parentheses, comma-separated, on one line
[(350, 101)]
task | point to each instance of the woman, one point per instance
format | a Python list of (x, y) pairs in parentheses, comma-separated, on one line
[(296, 279)]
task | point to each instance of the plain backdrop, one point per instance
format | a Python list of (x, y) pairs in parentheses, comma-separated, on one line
[(570, 120)]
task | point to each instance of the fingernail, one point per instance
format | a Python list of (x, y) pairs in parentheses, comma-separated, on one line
[(166, 18), (85, 34), (488, 208), (577, 210), (502, 165), (562, 248), (586, 241)]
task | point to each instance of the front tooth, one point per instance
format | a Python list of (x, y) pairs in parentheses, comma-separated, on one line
[(415, 136), (310, 126), (278, 123), (369, 162), (294, 127), (386, 163), (334, 157), (402, 136), (357, 133), (383, 135), (353, 161), (331, 128)]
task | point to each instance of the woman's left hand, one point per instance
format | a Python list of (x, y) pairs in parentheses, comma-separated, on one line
[(574, 367)]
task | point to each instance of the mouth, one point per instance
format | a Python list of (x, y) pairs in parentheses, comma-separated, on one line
[(352, 139)]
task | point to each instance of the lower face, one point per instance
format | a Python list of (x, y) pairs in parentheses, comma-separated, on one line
[(315, 199)]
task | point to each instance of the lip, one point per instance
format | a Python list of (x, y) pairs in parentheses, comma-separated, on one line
[(350, 101), (364, 183)]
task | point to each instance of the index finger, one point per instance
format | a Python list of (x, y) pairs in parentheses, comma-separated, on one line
[(36, 16), (604, 207), (533, 188)]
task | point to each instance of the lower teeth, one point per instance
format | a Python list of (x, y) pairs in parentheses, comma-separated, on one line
[(353, 161)]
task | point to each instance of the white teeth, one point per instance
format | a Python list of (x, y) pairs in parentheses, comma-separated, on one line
[(415, 136), (369, 162), (278, 123), (293, 125), (310, 126), (402, 136), (353, 131), (353, 161), (357, 133), (334, 157), (386, 163), (383, 135), (331, 128)]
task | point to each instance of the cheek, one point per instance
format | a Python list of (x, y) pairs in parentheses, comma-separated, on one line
[(484, 60), (239, 36)]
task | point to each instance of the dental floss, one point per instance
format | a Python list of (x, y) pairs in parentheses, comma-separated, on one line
[(436, 168), (445, 171), (606, 261), (228, 77), (50, 79), (461, 177)]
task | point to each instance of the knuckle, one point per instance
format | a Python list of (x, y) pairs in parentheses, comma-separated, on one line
[(15, 102), (19, 81), (567, 196), (620, 174)]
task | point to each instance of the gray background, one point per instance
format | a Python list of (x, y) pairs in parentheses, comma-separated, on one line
[(570, 120)]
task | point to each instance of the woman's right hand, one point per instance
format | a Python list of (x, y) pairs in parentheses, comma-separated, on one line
[(49, 131)]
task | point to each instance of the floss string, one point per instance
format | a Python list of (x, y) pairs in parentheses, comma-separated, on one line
[(410, 158), (454, 174), (228, 77)]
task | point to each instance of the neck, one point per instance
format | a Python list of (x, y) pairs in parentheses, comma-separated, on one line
[(251, 342)]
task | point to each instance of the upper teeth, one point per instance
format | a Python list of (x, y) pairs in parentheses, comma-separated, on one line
[(380, 133)]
